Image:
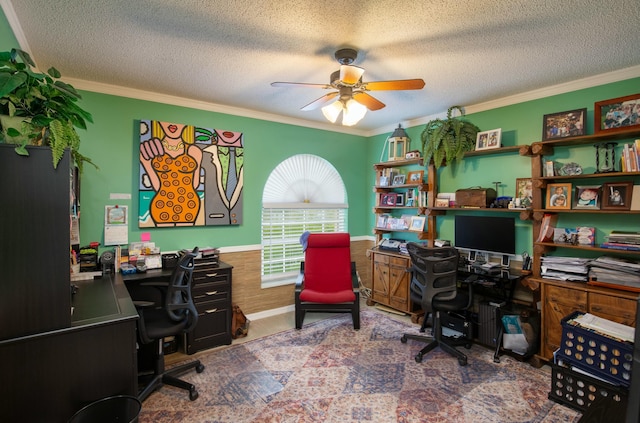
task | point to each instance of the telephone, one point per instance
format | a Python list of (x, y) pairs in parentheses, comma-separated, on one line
[(390, 244)]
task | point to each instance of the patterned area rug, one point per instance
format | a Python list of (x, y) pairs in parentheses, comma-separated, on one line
[(327, 372)]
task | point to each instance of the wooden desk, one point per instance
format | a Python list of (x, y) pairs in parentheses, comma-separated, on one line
[(48, 376)]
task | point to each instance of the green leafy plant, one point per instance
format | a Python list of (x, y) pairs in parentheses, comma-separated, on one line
[(446, 140), (39, 109)]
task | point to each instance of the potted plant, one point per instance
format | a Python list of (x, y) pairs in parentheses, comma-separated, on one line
[(39, 109), (444, 141)]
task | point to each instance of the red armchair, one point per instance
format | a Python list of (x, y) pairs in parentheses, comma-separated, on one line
[(328, 281)]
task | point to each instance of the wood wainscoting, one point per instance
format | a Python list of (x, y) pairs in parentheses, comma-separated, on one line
[(246, 290)]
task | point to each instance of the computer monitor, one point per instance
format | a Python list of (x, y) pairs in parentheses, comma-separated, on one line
[(486, 233)]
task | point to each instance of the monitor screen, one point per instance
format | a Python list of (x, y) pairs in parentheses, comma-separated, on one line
[(486, 233)]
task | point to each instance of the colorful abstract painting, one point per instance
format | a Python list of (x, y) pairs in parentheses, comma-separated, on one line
[(189, 176)]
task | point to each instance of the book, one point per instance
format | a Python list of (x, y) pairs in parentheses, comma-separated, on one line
[(620, 246)]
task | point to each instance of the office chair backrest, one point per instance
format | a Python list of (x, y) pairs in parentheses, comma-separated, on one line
[(434, 273), (178, 301), (327, 262)]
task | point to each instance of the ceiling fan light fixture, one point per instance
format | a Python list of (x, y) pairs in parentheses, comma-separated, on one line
[(332, 111), (353, 112), (350, 75)]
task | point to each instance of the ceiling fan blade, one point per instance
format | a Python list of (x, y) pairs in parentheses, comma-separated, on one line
[(350, 75), (401, 84), (300, 84), (368, 101), (321, 101)]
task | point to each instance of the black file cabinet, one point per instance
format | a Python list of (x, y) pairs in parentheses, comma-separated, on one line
[(211, 293)]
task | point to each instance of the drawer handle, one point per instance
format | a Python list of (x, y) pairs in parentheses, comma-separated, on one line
[(212, 274), (212, 292), (211, 310)]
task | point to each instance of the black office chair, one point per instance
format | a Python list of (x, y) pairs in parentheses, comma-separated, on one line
[(434, 285), (167, 309)]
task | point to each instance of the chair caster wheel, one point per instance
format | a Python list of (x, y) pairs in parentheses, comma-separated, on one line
[(200, 368), (403, 339), (462, 361), (496, 359), (467, 346), (193, 395), (418, 358)]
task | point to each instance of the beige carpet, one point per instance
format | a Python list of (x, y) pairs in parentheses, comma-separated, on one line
[(327, 372)]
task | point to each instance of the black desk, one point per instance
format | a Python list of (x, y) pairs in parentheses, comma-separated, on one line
[(46, 377)]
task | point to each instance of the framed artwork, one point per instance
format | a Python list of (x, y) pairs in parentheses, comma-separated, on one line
[(399, 179), (417, 223), (563, 124), (416, 176), (487, 140), (559, 196), (587, 197), (617, 114), (617, 195), (388, 199), (524, 192)]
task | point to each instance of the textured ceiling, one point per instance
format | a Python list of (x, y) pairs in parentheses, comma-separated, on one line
[(227, 53)]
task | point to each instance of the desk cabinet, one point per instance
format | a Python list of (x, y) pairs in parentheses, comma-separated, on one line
[(390, 280), (559, 299), (211, 293)]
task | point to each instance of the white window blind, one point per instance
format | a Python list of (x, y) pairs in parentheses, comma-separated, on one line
[(304, 193)]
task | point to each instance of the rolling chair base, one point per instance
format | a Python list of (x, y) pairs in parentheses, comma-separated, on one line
[(446, 344), (169, 378)]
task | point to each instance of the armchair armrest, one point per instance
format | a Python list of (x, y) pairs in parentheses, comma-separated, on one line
[(355, 277)]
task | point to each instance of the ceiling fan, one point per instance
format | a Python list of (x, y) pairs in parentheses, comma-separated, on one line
[(351, 96)]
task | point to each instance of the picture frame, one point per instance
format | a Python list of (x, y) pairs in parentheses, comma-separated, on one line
[(399, 200), (399, 179), (384, 181), (617, 195), (417, 223), (524, 192), (617, 114), (559, 196), (415, 177), (487, 140), (564, 124), (388, 199), (441, 202), (587, 197), (406, 221), (382, 221)]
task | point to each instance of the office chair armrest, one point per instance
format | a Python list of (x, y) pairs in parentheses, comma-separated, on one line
[(470, 293), (144, 304)]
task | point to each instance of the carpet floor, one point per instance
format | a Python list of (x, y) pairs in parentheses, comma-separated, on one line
[(327, 372)]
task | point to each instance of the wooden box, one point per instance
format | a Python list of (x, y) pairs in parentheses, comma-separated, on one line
[(475, 197)]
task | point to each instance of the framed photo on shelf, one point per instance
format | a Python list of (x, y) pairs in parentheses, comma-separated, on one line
[(384, 181), (441, 202), (617, 114), (559, 196), (399, 200), (524, 192), (406, 221), (399, 179), (417, 223), (382, 221), (617, 195), (388, 199), (563, 124), (416, 176), (487, 140), (587, 197)]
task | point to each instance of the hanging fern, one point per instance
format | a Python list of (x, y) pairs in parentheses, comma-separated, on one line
[(446, 140), (62, 135)]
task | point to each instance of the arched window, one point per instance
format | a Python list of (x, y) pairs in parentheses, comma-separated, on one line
[(303, 193)]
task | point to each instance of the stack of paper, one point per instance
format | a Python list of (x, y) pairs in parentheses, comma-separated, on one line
[(565, 268), (616, 271), (606, 327)]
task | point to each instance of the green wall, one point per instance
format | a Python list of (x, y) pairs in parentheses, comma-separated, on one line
[(112, 143), (522, 125)]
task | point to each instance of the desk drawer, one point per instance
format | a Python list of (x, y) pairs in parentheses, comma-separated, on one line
[(210, 274), (211, 292), (213, 329)]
